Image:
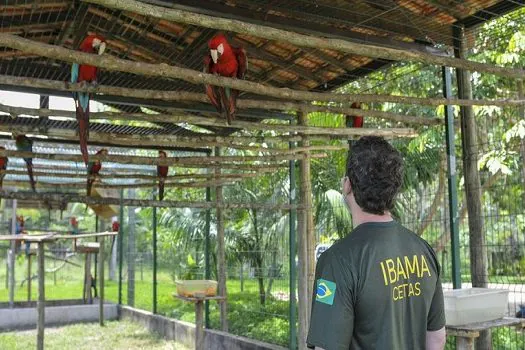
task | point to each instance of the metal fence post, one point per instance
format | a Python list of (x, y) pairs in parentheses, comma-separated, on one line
[(452, 185)]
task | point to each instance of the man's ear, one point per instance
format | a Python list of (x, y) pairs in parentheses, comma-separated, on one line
[(347, 186)]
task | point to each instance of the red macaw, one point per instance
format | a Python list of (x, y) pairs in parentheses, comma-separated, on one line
[(3, 166), (85, 74), (162, 173), (93, 170), (23, 143), (226, 61), (354, 121)]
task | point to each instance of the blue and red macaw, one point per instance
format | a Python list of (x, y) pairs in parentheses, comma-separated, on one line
[(23, 143), (3, 166), (226, 61), (354, 121), (162, 173), (93, 169), (85, 74)]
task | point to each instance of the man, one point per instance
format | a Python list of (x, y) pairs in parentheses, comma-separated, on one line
[(378, 288)]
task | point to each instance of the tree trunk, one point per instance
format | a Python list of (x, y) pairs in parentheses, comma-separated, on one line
[(478, 252)]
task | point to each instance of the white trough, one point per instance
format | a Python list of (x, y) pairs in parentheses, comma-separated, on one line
[(26, 318)]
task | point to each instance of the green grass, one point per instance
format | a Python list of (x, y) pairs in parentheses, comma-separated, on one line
[(245, 314), (115, 335)]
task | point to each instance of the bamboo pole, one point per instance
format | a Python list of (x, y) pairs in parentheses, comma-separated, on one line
[(158, 161), (184, 96), (75, 198), (218, 122), (301, 40)]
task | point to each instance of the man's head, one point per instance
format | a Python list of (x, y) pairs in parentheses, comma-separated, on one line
[(375, 173)]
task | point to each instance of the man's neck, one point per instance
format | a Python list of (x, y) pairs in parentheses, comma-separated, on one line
[(361, 217)]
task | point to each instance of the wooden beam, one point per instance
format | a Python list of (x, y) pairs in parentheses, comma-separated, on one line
[(159, 161), (184, 96), (174, 118), (169, 179), (300, 39), (143, 203)]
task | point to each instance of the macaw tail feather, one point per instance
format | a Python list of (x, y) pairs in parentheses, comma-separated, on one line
[(1, 181), (228, 102), (29, 162), (161, 190), (89, 186), (83, 131)]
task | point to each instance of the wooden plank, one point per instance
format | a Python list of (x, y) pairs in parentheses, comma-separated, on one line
[(199, 325), (481, 326)]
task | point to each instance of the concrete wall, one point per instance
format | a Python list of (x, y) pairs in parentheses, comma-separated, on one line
[(25, 318), (184, 332)]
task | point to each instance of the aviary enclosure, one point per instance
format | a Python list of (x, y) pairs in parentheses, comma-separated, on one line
[(247, 203)]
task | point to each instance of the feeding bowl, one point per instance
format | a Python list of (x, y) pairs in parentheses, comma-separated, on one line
[(196, 288), (471, 305)]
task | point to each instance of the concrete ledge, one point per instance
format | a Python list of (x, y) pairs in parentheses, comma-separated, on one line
[(25, 318), (64, 302), (184, 332)]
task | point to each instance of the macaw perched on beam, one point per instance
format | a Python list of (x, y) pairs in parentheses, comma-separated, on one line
[(93, 170), (162, 173), (25, 144), (226, 61), (85, 74), (354, 121), (3, 166)]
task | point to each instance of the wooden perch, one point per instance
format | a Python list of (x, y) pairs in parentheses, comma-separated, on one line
[(104, 176), (184, 96), (143, 203), (177, 118), (301, 40), (198, 141), (159, 161), (82, 185)]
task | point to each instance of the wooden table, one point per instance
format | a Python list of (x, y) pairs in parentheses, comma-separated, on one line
[(465, 334), (199, 316)]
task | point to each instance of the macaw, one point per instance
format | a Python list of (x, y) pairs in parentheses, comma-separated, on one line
[(226, 61), (93, 170), (85, 74), (3, 166), (23, 143), (162, 173), (354, 121)]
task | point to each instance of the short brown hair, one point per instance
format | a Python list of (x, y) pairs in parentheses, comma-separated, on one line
[(375, 170)]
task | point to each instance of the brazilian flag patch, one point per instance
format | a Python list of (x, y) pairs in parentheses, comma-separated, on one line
[(325, 291)]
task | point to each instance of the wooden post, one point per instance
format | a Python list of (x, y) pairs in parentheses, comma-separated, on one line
[(221, 258), (305, 243), (41, 297), (199, 324), (29, 277), (478, 252), (131, 251), (101, 280), (12, 257)]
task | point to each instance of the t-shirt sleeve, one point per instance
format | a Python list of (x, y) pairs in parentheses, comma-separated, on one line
[(332, 317), (436, 314)]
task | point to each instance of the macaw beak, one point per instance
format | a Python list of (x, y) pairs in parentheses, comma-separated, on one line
[(214, 55), (101, 48)]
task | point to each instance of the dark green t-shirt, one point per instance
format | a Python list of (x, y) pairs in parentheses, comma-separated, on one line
[(378, 288)]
